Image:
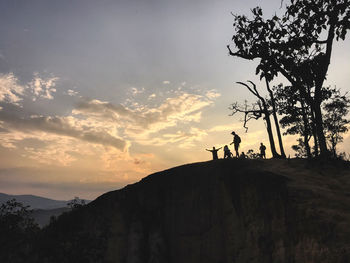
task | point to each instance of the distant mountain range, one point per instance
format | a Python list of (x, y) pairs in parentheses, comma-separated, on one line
[(43, 207), (35, 202)]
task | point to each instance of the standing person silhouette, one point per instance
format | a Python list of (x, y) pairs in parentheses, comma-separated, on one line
[(214, 152), (262, 151), (236, 142)]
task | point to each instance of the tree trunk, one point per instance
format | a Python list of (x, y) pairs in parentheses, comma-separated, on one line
[(319, 130), (314, 133), (334, 145), (277, 126), (306, 129), (269, 132), (307, 146), (315, 141), (312, 121), (321, 76), (265, 110)]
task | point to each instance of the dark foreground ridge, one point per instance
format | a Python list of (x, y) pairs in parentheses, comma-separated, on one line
[(217, 211)]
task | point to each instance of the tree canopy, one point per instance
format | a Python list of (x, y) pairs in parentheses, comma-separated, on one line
[(297, 45)]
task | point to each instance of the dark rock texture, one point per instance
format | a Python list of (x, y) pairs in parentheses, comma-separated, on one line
[(218, 211)]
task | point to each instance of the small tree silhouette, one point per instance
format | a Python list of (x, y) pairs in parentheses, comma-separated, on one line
[(252, 155), (335, 122), (76, 203)]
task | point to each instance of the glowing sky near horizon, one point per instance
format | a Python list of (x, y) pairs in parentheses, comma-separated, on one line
[(95, 95)]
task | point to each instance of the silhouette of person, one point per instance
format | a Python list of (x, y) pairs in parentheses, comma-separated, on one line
[(242, 156), (227, 152), (262, 151), (236, 142), (214, 152)]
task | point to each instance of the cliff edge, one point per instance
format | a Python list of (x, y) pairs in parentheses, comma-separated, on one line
[(217, 211)]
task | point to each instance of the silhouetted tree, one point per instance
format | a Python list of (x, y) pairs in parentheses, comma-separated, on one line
[(17, 232), (335, 122), (293, 46), (253, 111), (298, 118), (76, 203), (272, 102), (74, 236), (300, 149), (295, 115), (259, 109), (252, 155)]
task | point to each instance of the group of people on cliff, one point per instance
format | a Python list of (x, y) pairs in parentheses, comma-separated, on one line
[(236, 142)]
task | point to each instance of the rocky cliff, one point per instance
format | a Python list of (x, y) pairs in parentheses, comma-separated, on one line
[(217, 211)]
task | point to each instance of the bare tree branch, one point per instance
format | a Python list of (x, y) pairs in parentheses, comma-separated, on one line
[(254, 92), (236, 54), (249, 112)]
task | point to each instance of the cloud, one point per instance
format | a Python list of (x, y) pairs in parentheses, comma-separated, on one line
[(182, 138), (136, 91), (108, 128), (103, 110), (152, 96), (212, 94), (42, 88), (72, 93), (64, 126), (184, 107), (10, 89)]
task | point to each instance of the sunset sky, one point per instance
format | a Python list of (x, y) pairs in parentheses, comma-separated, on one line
[(95, 95)]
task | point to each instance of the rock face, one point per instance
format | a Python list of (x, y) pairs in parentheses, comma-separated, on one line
[(218, 211)]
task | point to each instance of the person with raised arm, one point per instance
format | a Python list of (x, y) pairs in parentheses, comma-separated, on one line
[(214, 152)]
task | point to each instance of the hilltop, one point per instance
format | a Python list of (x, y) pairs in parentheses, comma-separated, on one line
[(216, 211)]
